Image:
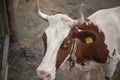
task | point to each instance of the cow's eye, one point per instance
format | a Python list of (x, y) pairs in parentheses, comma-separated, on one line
[(67, 44)]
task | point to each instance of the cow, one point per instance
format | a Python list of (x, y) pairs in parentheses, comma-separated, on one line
[(85, 42)]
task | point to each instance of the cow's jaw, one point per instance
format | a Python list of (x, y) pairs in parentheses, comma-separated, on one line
[(56, 33)]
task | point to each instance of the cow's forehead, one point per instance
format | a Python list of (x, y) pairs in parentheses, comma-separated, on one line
[(59, 26), (59, 32), (61, 20)]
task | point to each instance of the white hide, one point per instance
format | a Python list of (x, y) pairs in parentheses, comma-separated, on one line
[(108, 21), (59, 28)]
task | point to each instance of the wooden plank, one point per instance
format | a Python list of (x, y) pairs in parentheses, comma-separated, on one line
[(4, 72)]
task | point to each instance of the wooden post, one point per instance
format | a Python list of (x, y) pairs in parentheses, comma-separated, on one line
[(11, 11), (4, 27), (4, 72), (3, 18)]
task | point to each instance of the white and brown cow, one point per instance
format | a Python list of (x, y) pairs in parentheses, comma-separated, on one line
[(87, 43)]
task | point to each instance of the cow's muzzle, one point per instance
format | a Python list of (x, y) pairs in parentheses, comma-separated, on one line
[(44, 75)]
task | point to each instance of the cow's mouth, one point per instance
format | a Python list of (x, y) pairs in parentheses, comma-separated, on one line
[(87, 37), (43, 75), (47, 78)]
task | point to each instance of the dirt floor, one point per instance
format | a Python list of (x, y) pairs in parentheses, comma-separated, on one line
[(26, 56)]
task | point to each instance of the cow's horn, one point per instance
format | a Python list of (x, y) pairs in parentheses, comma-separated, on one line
[(81, 17), (42, 15)]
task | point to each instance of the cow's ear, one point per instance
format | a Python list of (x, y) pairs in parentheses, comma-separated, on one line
[(87, 37), (81, 17)]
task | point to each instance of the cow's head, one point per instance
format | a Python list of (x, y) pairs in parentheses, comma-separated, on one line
[(58, 40)]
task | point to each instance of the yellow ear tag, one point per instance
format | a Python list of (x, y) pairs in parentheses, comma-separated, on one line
[(89, 40)]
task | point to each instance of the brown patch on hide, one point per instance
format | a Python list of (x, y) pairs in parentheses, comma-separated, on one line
[(97, 50), (44, 37), (64, 51)]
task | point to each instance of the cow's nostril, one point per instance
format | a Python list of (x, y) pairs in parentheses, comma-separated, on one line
[(43, 74)]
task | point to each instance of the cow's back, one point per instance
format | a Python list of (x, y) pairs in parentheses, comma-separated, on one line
[(108, 21)]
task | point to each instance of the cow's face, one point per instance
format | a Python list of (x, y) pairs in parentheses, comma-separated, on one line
[(57, 45), (57, 40)]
